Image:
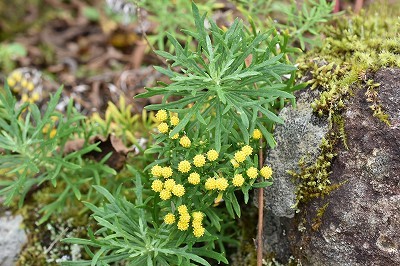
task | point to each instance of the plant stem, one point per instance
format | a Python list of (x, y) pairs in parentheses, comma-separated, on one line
[(260, 211)]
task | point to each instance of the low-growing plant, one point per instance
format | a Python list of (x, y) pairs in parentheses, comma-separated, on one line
[(222, 100)]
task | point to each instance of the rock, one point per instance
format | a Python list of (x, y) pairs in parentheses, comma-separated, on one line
[(360, 225), (12, 238)]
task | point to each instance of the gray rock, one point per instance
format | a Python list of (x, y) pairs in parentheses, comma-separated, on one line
[(360, 226), (12, 238)]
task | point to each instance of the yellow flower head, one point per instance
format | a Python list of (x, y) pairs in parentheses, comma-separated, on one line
[(11, 81), (174, 120), (30, 86), (266, 172), (212, 155), (169, 184), (184, 166), (247, 150), (24, 83), (182, 209), (156, 170), (163, 127), (176, 136), (257, 134), (252, 172), (194, 178), (198, 231), (169, 218), (178, 190), (210, 183), (197, 216), (157, 185), (234, 163), (53, 133), (185, 218), (166, 172), (161, 115), (183, 226), (185, 142), (199, 160), (165, 194), (240, 156), (221, 183), (238, 180)]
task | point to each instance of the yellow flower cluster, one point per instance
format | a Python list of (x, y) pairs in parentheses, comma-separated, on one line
[(252, 172), (185, 142), (156, 170), (199, 160), (266, 172), (168, 188), (157, 185), (212, 155), (161, 115), (169, 218), (174, 120), (184, 218), (194, 178), (163, 127), (166, 172), (178, 190), (197, 224), (221, 183), (238, 180), (184, 166), (257, 134)]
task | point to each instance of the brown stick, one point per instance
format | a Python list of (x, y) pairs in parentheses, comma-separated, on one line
[(260, 211)]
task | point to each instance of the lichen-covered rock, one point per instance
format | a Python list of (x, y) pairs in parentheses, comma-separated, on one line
[(360, 225), (12, 238)]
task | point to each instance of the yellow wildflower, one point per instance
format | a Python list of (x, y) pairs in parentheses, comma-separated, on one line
[(165, 194), (212, 155), (257, 134), (178, 190), (184, 166), (194, 178), (176, 136), (238, 180), (266, 172), (198, 231), (156, 170), (169, 218), (30, 86), (240, 156), (174, 120), (185, 142), (234, 163), (166, 172), (157, 185), (11, 81), (182, 209), (210, 183), (221, 183), (247, 150), (197, 216), (169, 184), (161, 115), (185, 218), (252, 172), (199, 160), (53, 133), (163, 127), (183, 226)]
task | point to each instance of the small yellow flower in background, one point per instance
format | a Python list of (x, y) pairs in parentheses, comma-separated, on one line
[(257, 134), (169, 218), (178, 190), (176, 136), (53, 133), (169, 184), (212, 155), (157, 185), (221, 183), (184, 166), (185, 218), (185, 142), (183, 226), (24, 83), (166, 172), (30, 86), (252, 172), (35, 96), (210, 183), (163, 127), (197, 216), (165, 194), (194, 178), (199, 160), (240, 156), (238, 180), (17, 75), (197, 224), (198, 231), (11, 81), (24, 98), (247, 150), (182, 209), (161, 115), (174, 120), (266, 172), (156, 170), (234, 163)]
